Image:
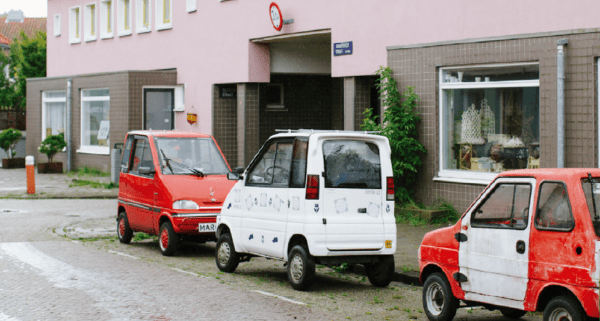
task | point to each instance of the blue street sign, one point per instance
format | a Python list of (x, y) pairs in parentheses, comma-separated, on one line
[(342, 48)]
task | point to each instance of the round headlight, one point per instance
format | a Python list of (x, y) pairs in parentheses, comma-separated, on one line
[(185, 205)]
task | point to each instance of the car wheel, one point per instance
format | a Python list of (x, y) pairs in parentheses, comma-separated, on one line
[(225, 255), (380, 274), (564, 308), (167, 239), (438, 301), (512, 313), (124, 232), (301, 268)]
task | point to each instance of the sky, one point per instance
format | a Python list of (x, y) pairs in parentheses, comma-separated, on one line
[(31, 8)]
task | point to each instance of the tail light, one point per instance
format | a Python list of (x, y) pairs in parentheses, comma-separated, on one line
[(390, 189), (312, 187)]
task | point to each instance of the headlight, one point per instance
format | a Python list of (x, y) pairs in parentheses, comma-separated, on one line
[(185, 205)]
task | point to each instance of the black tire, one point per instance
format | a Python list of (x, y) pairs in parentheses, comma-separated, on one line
[(438, 301), (226, 257), (167, 239), (564, 307), (381, 273), (512, 313), (124, 232), (300, 268)]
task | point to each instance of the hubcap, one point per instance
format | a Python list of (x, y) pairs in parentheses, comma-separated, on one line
[(435, 299), (121, 227), (164, 239), (224, 253), (296, 268), (560, 314)]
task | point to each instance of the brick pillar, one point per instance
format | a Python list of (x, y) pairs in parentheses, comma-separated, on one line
[(357, 99), (247, 123)]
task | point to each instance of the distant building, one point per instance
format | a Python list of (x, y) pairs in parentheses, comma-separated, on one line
[(14, 22)]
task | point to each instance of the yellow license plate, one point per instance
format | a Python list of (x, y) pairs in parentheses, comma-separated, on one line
[(388, 244)]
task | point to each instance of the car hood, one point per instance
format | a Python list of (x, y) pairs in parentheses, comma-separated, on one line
[(206, 191)]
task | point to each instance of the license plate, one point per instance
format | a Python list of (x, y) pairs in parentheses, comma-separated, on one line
[(207, 227)]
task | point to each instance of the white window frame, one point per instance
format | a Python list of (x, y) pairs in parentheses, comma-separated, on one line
[(107, 19), (124, 13), (57, 25), (91, 22), (142, 26), (163, 22), (90, 149), (463, 176), (191, 5), (75, 25), (46, 100)]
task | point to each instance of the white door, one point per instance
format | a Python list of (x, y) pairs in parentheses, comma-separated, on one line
[(353, 195), (265, 200), (494, 245)]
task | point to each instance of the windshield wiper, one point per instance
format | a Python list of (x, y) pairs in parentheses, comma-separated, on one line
[(194, 171), (167, 161)]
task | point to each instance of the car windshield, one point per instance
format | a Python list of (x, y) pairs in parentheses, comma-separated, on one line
[(185, 156), (591, 187)]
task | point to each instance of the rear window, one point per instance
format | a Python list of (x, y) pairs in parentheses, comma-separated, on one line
[(351, 164), (591, 189)]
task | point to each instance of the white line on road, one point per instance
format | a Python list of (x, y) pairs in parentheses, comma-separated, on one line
[(279, 297), (4, 317), (123, 254), (191, 273)]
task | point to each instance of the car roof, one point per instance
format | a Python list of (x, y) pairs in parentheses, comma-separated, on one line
[(322, 133), (168, 133), (552, 173)]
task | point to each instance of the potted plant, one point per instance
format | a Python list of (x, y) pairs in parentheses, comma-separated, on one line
[(50, 146), (8, 140)]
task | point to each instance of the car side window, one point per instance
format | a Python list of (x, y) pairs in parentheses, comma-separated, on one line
[(142, 155), (507, 206), (126, 154), (273, 167), (299, 163), (554, 209)]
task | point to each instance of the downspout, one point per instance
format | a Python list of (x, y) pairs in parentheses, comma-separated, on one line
[(560, 102), (69, 122)]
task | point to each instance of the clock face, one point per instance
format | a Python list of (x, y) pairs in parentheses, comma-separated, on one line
[(276, 16)]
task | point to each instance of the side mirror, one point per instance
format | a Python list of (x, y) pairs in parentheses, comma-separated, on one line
[(146, 171), (239, 170), (124, 169), (233, 176)]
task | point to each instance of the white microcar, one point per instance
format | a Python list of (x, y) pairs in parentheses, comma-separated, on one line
[(313, 197)]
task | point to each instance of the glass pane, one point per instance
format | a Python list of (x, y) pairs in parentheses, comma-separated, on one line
[(159, 109), (95, 116), (351, 164), (55, 118), (126, 151), (491, 130), (497, 209), (521, 206), (55, 94), (589, 189), (262, 173), (283, 160), (491, 74), (186, 153), (553, 208), (299, 163), (95, 92)]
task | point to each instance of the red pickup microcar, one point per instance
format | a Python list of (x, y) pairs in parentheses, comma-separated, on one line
[(530, 242), (172, 184)]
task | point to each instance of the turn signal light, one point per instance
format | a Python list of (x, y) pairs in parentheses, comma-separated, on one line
[(390, 189), (312, 187)]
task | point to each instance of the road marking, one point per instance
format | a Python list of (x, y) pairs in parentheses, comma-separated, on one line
[(123, 254), (191, 273), (279, 297), (4, 317)]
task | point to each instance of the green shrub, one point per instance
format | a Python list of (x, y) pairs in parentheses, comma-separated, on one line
[(8, 140), (52, 145)]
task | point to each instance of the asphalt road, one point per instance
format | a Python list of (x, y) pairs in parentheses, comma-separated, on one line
[(45, 275)]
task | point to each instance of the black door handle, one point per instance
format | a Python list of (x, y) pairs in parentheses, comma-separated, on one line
[(362, 210), (520, 247)]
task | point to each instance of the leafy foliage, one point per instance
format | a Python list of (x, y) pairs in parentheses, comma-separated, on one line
[(52, 145), (399, 125), (8, 140)]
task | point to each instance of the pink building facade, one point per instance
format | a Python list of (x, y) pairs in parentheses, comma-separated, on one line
[(141, 64)]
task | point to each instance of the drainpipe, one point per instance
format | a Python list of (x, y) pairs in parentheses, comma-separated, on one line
[(560, 102), (69, 122)]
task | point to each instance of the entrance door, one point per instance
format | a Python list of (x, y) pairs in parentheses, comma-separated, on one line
[(494, 255), (158, 109)]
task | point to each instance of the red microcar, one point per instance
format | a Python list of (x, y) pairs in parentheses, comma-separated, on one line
[(530, 242), (172, 184)]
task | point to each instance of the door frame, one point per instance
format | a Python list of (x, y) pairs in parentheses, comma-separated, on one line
[(158, 89)]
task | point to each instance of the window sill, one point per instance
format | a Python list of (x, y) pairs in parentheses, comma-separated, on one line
[(143, 30), (465, 177), (74, 41), (107, 36), (164, 26), (96, 150), (123, 33), (90, 38)]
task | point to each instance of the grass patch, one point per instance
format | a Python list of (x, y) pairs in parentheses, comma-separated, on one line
[(408, 213), (140, 236), (94, 184), (88, 172)]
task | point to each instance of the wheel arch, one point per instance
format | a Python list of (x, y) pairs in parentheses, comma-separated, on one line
[(223, 228), (551, 291), (163, 218), (121, 209), (296, 239), (448, 271)]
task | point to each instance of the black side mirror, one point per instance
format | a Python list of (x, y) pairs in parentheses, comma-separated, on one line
[(146, 171), (239, 170), (233, 176)]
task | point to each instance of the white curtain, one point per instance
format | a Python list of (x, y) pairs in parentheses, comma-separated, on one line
[(55, 118)]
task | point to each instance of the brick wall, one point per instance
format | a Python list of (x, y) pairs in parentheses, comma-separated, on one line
[(225, 125)]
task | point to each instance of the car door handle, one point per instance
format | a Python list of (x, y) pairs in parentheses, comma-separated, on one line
[(362, 210), (520, 247)]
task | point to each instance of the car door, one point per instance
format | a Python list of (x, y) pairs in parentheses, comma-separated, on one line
[(124, 172), (265, 199), (353, 195), (141, 186), (494, 244)]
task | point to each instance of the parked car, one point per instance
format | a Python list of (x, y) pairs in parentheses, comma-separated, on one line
[(313, 197), (530, 242), (172, 184)]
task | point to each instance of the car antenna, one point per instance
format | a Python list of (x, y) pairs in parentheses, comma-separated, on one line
[(596, 218)]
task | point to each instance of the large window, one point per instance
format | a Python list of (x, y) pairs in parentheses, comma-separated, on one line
[(490, 120), (53, 113), (95, 122)]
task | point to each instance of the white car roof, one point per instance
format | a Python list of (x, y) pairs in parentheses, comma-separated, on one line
[(324, 133)]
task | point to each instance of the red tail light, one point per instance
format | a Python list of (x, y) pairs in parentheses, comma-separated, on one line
[(390, 189), (312, 187)]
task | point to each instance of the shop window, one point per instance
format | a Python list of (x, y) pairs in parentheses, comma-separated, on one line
[(124, 17), (274, 96), (107, 14), (191, 5), (490, 121), (75, 25), (91, 25), (56, 25), (95, 121), (143, 12), (54, 119), (163, 14)]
